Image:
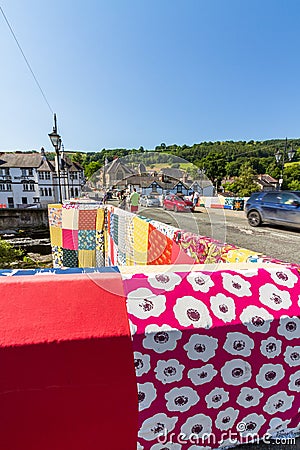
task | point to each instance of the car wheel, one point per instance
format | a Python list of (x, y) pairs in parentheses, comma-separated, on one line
[(254, 219)]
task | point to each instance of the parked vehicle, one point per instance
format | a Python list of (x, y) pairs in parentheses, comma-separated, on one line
[(277, 207), (149, 200), (176, 203)]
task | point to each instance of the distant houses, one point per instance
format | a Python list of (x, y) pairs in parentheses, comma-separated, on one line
[(118, 175), (31, 179), (264, 182)]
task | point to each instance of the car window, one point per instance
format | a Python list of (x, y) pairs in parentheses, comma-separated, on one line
[(255, 196), (287, 198), (297, 193), (272, 197)]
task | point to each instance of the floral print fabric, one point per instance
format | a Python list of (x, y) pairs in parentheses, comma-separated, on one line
[(197, 338)]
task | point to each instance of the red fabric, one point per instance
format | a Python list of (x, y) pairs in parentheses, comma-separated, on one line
[(179, 256), (67, 378), (159, 247)]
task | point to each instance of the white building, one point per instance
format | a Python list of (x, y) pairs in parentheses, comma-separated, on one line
[(30, 179)]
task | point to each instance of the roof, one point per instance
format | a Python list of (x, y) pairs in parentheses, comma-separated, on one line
[(138, 180), (115, 164), (21, 160), (46, 166), (174, 173), (35, 160), (267, 178), (201, 183), (72, 166)]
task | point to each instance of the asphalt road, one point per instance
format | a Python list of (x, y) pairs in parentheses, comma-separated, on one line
[(232, 227)]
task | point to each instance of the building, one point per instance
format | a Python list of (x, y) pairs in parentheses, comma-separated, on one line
[(31, 180), (113, 173), (266, 182), (204, 187)]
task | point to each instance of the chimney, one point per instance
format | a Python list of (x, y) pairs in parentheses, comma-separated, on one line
[(43, 155)]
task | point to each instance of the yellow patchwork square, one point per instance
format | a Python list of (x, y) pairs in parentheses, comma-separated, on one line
[(100, 219), (140, 239), (56, 236), (86, 258), (70, 218)]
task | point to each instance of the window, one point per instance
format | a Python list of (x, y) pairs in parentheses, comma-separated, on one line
[(72, 192), (24, 200), (288, 199), (119, 175), (4, 172), (179, 188), (272, 197), (28, 186), (154, 187), (76, 192), (42, 192), (50, 192), (10, 202), (46, 192), (44, 175), (5, 186), (74, 175), (36, 200), (27, 172)]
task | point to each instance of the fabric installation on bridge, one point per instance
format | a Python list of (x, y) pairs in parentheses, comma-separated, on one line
[(108, 359), (89, 235)]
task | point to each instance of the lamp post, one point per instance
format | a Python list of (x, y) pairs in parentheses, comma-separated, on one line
[(201, 173), (56, 142), (281, 157)]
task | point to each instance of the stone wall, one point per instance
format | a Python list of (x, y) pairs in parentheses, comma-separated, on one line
[(23, 218)]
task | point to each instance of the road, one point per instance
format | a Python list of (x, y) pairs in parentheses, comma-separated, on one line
[(232, 227)]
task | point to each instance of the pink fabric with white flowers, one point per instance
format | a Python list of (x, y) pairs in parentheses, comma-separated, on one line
[(214, 352)]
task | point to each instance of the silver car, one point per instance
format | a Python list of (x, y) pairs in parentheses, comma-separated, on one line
[(149, 200), (277, 207)]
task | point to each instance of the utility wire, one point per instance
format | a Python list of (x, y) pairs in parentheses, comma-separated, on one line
[(26, 60)]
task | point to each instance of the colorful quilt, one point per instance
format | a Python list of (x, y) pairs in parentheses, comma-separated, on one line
[(89, 235)]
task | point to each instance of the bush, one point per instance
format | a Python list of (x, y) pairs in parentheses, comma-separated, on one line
[(8, 254)]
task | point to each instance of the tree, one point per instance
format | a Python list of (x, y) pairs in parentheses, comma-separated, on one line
[(244, 185), (291, 179), (78, 157), (91, 168)]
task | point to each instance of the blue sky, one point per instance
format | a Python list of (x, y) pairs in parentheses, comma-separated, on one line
[(126, 73)]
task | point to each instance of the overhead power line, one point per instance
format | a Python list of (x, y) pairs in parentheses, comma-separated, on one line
[(26, 60)]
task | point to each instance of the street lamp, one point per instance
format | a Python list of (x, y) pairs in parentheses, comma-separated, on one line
[(201, 173), (56, 142), (282, 156)]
